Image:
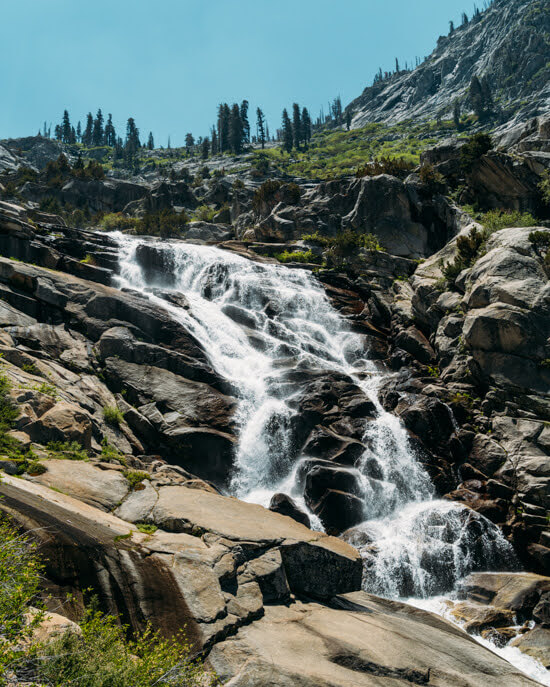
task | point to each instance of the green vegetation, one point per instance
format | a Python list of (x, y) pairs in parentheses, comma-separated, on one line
[(544, 188), (472, 246), (165, 223), (298, 256), (47, 389), (136, 477), (113, 416), (114, 221), (473, 150), (30, 368), (88, 260), (110, 453), (345, 241), (541, 243), (66, 450), (204, 213), (10, 448), (146, 527)]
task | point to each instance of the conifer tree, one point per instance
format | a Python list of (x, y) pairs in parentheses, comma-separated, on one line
[(151, 141), (88, 131), (244, 121), (306, 126), (267, 131), (223, 127), (57, 132), (110, 133), (132, 144), (78, 132), (235, 130), (72, 138), (66, 128), (205, 147), (287, 132), (260, 127), (348, 119), (97, 131), (214, 144), (456, 114), (488, 103), (297, 134), (189, 143), (476, 97)]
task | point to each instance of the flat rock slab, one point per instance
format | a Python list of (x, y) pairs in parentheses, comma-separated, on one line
[(103, 489), (369, 642)]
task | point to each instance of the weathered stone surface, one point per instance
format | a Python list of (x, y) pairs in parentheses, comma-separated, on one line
[(372, 642), (62, 422)]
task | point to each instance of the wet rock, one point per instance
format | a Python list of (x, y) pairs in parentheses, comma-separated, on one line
[(414, 342), (211, 233), (283, 504)]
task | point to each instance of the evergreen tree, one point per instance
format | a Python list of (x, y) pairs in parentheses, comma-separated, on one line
[(267, 131), (397, 70), (488, 102), (214, 144), (481, 100), (260, 127), (97, 131), (244, 121), (132, 144), (306, 126), (78, 132), (336, 109), (464, 19), (235, 130), (456, 114), (110, 133), (223, 127), (205, 147), (57, 132), (297, 134), (151, 141), (287, 132), (189, 143), (348, 119), (451, 27), (72, 138), (66, 128), (88, 131)]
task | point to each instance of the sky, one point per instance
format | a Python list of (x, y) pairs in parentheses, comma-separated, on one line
[(168, 63)]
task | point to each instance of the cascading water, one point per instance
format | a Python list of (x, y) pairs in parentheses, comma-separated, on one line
[(258, 321)]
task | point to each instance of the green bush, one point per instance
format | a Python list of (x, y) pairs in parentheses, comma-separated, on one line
[(110, 453), (544, 188), (35, 468), (204, 213), (503, 219), (478, 145), (396, 166), (165, 223), (135, 477), (433, 181), (103, 657), (266, 193), (66, 450), (297, 256), (344, 241), (117, 221), (146, 527), (113, 416)]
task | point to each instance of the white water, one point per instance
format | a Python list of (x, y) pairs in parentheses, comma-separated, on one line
[(258, 322)]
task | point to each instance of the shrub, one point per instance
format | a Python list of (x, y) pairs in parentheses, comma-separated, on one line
[(297, 256), (433, 181), (50, 205), (110, 453), (540, 239), (266, 194), (113, 416), (396, 166), (502, 219), (35, 468), (88, 260), (117, 221), (468, 248), (238, 184), (544, 188), (135, 477), (146, 527), (204, 213), (260, 165), (478, 145), (165, 223), (47, 389), (66, 450), (103, 657)]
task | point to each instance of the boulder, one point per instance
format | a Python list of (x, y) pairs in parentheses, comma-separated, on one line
[(283, 504), (211, 233), (63, 422)]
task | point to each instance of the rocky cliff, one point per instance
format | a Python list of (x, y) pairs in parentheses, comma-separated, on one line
[(509, 44)]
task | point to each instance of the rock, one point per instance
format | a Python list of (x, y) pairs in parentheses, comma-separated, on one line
[(63, 422), (414, 342), (541, 612), (535, 643), (268, 570), (283, 504), (361, 640), (104, 489), (339, 510), (475, 618), (430, 419), (212, 233)]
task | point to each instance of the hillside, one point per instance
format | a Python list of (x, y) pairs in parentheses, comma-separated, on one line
[(509, 44)]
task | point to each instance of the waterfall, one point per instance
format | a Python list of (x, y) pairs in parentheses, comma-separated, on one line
[(256, 322)]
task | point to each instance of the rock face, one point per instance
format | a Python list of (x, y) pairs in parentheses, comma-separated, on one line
[(509, 36)]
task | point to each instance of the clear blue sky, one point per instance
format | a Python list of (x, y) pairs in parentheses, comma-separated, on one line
[(168, 63)]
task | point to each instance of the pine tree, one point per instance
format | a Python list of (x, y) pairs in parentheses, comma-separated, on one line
[(97, 131), (476, 97), (397, 70), (306, 126), (189, 143), (214, 144), (151, 141), (88, 131), (78, 132), (296, 125), (205, 147), (488, 102), (66, 128), (465, 19), (236, 130), (260, 127), (110, 133), (223, 127), (132, 144), (456, 114), (244, 121), (451, 27), (287, 132), (72, 138), (58, 133), (267, 131)]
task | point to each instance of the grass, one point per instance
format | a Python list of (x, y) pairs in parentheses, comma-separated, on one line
[(298, 256), (47, 389), (146, 528), (66, 450), (88, 260), (113, 416), (339, 153)]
